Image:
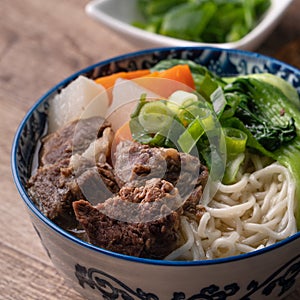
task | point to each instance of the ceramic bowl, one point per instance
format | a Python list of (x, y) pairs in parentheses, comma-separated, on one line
[(270, 273), (119, 15)]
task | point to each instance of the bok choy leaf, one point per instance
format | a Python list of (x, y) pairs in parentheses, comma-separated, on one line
[(269, 114), (263, 110)]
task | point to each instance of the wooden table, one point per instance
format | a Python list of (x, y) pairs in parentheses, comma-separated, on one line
[(42, 42)]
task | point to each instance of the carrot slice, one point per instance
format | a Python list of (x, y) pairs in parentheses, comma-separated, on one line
[(123, 133), (164, 83), (180, 73), (109, 81)]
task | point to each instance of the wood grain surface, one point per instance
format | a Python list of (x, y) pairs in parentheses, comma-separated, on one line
[(41, 43)]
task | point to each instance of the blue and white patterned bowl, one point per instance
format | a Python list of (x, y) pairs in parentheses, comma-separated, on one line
[(271, 273)]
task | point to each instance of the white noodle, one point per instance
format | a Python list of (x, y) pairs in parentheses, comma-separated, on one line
[(234, 188), (232, 211), (251, 214), (225, 246), (203, 225)]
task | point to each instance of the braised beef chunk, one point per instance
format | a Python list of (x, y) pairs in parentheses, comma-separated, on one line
[(97, 183), (66, 176), (49, 190), (133, 207), (107, 175), (72, 138), (138, 163), (192, 188), (113, 224)]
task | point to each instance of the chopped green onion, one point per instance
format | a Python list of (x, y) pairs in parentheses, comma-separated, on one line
[(235, 141), (190, 136), (203, 122), (232, 168), (218, 100), (155, 116), (179, 99)]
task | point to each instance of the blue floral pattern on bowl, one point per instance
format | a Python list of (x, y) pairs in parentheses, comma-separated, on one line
[(111, 288)]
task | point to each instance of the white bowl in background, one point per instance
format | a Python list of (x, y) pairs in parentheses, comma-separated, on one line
[(118, 16)]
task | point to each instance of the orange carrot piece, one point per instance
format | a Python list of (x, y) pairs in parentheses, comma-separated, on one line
[(164, 83), (123, 133), (109, 81), (180, 73), (178, 77)]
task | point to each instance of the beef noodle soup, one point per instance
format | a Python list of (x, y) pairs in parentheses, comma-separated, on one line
[(141, 179)]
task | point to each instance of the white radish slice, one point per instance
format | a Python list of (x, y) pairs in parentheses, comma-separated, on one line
[(82, 98), (125, 96)]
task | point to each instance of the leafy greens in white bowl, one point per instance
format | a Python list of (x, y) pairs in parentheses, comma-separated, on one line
[(121, 15)]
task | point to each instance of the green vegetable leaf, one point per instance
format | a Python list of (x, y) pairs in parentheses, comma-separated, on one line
[(272, 127), (214, 21), (188, 21), (257, 100), (205, 81), (157, 7)]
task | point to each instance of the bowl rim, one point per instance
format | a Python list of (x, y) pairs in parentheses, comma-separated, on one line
[(51, 225)]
